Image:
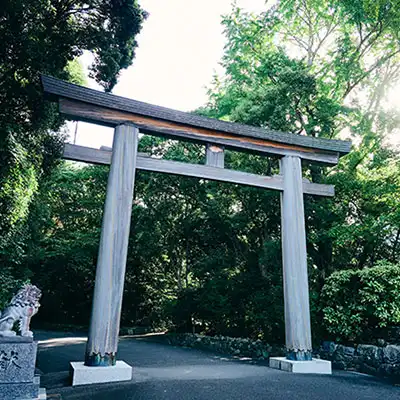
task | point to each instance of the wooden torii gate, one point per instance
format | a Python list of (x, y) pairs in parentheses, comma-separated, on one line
[(128, 117)]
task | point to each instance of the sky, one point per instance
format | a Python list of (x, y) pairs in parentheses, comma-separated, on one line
[(180, 46)]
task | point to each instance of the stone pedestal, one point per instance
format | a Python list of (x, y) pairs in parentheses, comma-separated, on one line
[(84, 375), (17, 369), (314, 366)]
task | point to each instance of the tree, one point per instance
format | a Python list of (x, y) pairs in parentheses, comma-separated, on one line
[(46, 37), (324, 69), (358, 304)]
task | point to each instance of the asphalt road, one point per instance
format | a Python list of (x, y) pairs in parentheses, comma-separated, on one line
[(163, 372)]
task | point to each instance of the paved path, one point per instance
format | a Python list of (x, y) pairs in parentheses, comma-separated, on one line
[(163, 372)]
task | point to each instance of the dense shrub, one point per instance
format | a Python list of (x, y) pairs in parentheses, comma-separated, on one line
[(359, 304)]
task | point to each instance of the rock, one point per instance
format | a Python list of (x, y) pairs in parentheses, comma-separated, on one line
[(345, 350), (370, 355), (17, 368), (343, 353), (339, 365), (391, 354), (343, 357), (390, 370), (381, 342), (329, 347), (368, 369)]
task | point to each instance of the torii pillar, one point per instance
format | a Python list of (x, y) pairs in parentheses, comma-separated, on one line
[(295, 277), (100, 358)]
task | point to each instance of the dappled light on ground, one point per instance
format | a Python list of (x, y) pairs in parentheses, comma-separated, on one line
[(61, 342)]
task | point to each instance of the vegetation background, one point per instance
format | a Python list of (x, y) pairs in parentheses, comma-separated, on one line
[(205, 256)]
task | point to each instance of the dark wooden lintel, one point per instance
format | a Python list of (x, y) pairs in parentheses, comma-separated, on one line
[(100, 115), (57, 88)]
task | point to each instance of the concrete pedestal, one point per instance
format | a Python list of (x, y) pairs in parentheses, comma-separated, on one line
[(17, 369), (42, 394), (315, 366), (83, 375)]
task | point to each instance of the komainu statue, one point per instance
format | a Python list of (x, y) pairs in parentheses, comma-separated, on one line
[(22, 307)]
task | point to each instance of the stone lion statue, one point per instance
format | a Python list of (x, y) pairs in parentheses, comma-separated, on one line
[(22, 307)]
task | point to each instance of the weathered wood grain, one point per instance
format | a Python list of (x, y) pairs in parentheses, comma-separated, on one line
[(211, 173), (294, 258), (87, 154), (58, 88), (91, 113), (110, 272), (144, 162)]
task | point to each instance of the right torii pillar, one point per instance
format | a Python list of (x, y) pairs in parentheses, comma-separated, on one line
[(295, 278)]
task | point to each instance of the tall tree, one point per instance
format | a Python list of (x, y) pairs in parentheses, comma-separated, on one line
[(36, 37), (321, 69), (324, 69)]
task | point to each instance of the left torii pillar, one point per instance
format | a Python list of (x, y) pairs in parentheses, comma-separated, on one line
[(100, 358)]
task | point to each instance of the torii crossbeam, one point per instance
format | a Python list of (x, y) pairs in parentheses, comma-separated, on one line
[(128, 117)]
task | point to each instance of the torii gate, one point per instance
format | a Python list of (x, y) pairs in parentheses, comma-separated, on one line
[(128, 117)]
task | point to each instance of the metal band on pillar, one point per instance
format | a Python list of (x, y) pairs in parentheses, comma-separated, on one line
[(102, 342), (294, 256)]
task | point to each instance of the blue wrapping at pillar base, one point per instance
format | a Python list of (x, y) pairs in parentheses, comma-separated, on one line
[(299, 355), (98, 360)]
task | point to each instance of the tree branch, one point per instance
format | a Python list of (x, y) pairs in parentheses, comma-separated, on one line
[(380, 62)]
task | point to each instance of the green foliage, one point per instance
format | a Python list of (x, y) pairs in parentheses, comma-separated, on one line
[(9, 286), (367, 210), (40, 36), (206, 256), (64, 231), (358, 303), (321, 69), (76, 72)]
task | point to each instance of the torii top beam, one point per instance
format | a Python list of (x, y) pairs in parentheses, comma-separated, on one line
[(80, 103)]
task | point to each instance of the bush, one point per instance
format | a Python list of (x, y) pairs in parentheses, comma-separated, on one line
[(358, 304)]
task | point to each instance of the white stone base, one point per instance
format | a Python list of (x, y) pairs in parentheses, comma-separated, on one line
[(42, 394), (83, 375), (315, 366)]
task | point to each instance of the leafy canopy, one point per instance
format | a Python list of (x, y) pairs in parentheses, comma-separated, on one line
[(357, 304), (46, 36)]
